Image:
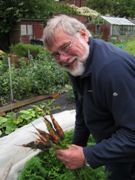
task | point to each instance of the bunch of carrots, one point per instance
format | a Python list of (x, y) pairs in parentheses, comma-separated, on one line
[(45, 139)]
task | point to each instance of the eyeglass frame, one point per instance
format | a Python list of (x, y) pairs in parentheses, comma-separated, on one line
[(63, 49)]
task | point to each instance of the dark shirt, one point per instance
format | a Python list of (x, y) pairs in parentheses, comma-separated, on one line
[(105, 105)]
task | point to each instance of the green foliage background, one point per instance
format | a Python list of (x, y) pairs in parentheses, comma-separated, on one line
[(37, 76), (12, 11), (121, 8)]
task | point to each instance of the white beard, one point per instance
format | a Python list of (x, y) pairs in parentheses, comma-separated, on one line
[(80, 67), (78, 70)]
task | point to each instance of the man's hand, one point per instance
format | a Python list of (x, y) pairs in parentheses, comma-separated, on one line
[(73, 157)]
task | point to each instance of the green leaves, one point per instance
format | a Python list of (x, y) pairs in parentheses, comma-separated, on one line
[(2, 120), (38, 76), (27, 114), (11, 11), (6, 124), (13, 120), (121, 8), (10, 126)]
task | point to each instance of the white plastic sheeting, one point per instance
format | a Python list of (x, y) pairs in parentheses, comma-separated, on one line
[(13, 156)]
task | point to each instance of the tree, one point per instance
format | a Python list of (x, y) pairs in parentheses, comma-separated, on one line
[(121, 8), (124, 8), (11, 11), (102, 6)]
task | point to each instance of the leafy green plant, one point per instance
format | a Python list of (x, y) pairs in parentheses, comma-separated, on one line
[(62, 8), (13, 120), (46, 166), (37, 77), (24, 50), (2, 55)]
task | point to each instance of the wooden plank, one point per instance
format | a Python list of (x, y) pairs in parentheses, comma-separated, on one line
[(25, 102)]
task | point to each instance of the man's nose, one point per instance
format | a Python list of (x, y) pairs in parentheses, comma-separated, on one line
[(63, 58)]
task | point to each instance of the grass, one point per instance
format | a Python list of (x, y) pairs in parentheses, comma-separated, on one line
[(127, 46)]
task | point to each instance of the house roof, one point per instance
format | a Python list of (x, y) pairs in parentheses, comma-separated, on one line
[(132, 20), (117, 21)]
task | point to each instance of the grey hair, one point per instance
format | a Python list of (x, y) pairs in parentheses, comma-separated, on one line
[(68, 24)]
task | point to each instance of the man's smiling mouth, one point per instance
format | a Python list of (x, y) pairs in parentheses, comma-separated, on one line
[(69, 63)]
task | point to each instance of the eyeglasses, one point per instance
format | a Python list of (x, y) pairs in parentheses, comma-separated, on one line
[(62, 50)]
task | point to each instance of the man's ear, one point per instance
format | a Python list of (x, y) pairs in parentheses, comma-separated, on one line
[(84, 34)]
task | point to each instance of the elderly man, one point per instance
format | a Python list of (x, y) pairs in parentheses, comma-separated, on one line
[(103, 78)]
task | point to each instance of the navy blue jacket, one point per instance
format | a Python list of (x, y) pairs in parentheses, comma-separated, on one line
[(105, 105)]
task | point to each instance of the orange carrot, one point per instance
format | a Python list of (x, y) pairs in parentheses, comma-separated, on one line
[(42, 133), (54, 137), (59, 130)]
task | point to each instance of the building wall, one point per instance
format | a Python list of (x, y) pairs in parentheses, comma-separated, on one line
[(27, 30), (83, 19), (101, 31), (37, 30), (105, 31), (20, 33)]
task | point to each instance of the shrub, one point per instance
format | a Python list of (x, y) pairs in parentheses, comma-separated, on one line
[(26, 50), (37, 77)]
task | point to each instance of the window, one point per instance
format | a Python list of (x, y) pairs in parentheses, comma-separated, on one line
[(26, 29), (23, 30)]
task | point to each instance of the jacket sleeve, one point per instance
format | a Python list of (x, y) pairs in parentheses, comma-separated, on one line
[(81, 132), (117, 89)]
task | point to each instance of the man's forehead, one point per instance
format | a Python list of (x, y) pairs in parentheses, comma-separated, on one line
[(59, 39), (60, 34)]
